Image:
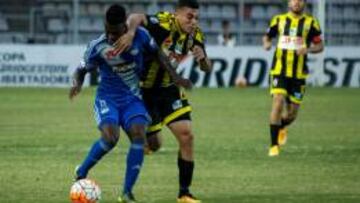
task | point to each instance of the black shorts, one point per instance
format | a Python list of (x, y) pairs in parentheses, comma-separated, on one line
[(165, 105), (292, 88)]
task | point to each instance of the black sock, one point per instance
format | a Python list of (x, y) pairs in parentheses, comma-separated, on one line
[(274, 130), (186, 169)]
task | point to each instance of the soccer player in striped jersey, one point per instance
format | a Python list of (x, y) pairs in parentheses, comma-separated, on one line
[(298, 35), (177, 34), (118, 100)]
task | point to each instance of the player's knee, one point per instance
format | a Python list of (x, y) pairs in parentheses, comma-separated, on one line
[(110, 134), (137, 132), (276, 111), (291, 118), (111, 138), (186, 137)]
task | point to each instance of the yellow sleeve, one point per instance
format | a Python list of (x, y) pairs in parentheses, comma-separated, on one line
[(315, 31), (316, 25), (274, 21), (272, 30), (199, 36), (161, 19)]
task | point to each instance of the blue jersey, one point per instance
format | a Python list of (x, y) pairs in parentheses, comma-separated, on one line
[(119, 73)]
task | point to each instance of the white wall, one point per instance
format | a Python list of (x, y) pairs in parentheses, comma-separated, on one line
[(39, 65)]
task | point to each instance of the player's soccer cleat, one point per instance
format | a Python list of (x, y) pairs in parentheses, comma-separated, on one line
[(127, 198), (187, 198), (274, 150), (76, 175), (282, 138)]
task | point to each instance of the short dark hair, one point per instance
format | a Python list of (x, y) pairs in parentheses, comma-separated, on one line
[(115, 14), (225, 23), (187, 3)]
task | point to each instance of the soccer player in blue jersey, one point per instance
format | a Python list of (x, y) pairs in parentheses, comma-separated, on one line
[(118, 100)]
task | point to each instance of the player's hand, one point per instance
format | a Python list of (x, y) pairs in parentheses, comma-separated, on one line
[(123, 43), (186, 83), (198, 53), (302, 51), (267, 45), (74, 90)]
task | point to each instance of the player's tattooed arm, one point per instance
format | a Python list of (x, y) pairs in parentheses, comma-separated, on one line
[(133, 22), (201, 58), (313, 49), (166, 64), (78, 80)]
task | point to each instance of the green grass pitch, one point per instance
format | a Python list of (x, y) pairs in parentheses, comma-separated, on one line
[(43, 136)]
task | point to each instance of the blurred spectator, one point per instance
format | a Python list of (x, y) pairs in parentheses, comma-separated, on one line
[(31, 40), (226, 38)]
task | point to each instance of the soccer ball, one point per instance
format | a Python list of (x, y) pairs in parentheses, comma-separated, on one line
[(241, 82), (85, 191)]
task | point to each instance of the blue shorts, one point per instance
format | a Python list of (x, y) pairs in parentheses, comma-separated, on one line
[(108, 112)]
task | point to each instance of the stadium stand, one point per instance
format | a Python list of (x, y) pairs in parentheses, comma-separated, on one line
[(51, 21), (3, 23)]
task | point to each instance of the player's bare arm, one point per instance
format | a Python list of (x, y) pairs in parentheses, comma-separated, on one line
[(313, 49), (166, 64), (78, 80), (133, 22), (201, 58), (266, 42)]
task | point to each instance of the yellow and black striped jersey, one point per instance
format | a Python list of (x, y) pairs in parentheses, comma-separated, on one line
[(293, 33), (174, 42)]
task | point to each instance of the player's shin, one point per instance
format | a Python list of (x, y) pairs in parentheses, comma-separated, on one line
[(134, 162), (97, 151), (186, 169), (275, 118)]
